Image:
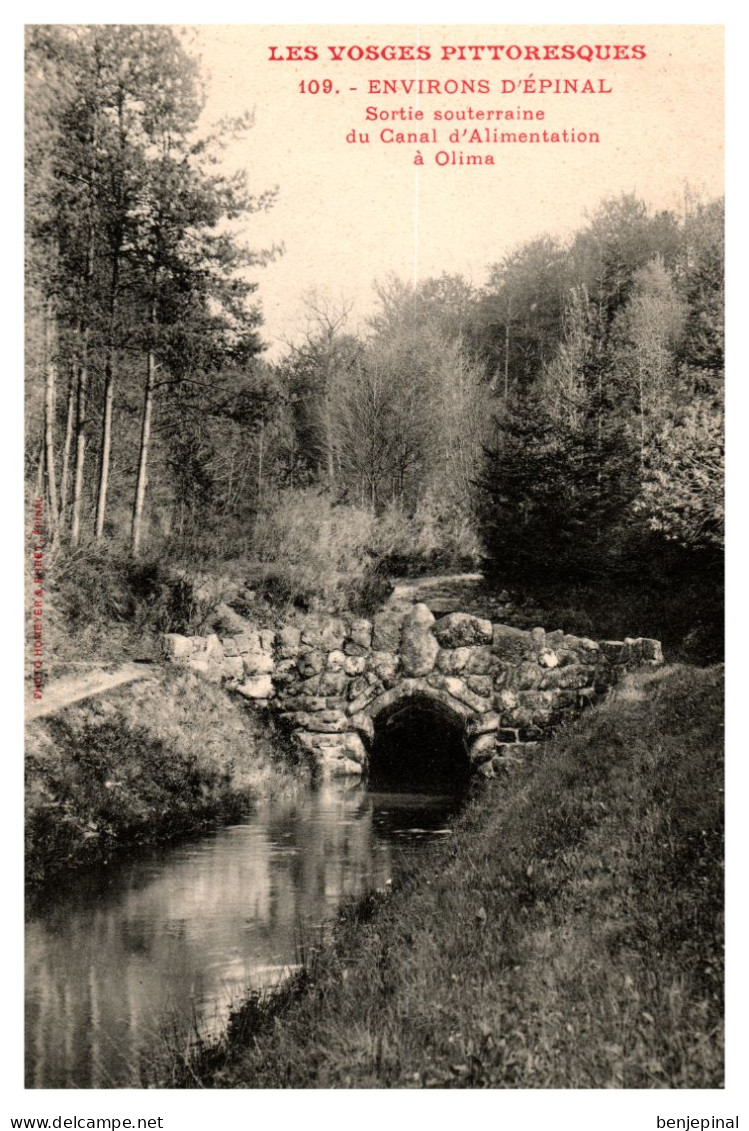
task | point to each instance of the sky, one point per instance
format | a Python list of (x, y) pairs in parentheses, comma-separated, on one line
[(350, 213)]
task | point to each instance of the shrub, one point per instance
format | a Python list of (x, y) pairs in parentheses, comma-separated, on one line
[(439, 535), (312, 549)]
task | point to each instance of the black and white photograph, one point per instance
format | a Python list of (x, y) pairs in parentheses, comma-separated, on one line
[(373, 559)]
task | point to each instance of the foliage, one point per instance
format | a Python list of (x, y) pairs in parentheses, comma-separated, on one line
[(123, 771), (609, 457), (568, 934), (312, 550), (133, 260), (564, 418), (682, 491)]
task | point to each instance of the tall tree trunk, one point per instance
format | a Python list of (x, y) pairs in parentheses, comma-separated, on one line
[(106, 428), (82, 386), (80, 437), (49, 410), (106, 446), (65, 472), (260, 469), (39, 481), (145, 441), (641, 396)]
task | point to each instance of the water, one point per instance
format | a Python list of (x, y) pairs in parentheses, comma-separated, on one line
[(170, 939)]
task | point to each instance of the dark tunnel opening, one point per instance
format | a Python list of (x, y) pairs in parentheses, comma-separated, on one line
[(418, 748)]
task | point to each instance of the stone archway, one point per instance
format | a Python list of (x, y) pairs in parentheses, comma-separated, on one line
[(329, 681), (419, 696), (419, 740)]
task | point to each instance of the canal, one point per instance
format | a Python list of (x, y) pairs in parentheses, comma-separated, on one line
[(165, 942)]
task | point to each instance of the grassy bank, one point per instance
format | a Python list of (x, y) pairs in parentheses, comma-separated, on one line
[(140, 765), (568, 935)]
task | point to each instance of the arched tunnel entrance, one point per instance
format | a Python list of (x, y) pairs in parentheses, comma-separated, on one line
[(419, 747)]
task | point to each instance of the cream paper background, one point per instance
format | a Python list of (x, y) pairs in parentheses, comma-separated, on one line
[(351, 213)]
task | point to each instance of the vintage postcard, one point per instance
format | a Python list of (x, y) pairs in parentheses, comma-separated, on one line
[(374, 557)]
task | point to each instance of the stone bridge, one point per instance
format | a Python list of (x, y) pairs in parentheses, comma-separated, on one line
[(339, 685)]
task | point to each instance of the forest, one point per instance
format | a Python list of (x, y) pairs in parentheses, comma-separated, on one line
[(559, 427)]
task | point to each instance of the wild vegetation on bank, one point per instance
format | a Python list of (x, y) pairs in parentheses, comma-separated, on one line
[(569, 934), (124, 770)]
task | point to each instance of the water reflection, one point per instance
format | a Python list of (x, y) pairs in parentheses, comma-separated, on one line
[(183, 931)]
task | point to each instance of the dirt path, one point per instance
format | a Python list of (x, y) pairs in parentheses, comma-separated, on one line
[(71, 689)]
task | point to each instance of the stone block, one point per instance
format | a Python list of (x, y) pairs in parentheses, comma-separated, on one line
[(538, 636), (564, 700), (294, 718), (335, 661), (325, 634), (573, 676), (458, 689), (612, 650), (354, 665), (288, 642), (329, 722), (267, 639), (352, 649), (386, 629), (258, 663), (353, 748), (257, 687), (481, 660), (178, 648), (345, 767), (360, 633), (547, 658), (483, 724), (536, 700), (310, 663), (315, 740), (214, 649), (363, 724), (311, 703), (526, 676), (459, 630), (512, 644), (509, 750), (480, 685), (309, 686), (248, 641), (233, 668), (505, 700), (652, 651), (418, 647), (333, 683), (452, 661), (358, 686), (230, 620), (518, 717), (364, 699), (587, 649), (383, 664), (482, 748)]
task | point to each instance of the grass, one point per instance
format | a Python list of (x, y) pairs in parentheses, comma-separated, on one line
[(568, 935), (141, 765)]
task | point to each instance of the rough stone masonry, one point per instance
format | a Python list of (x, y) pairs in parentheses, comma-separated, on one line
[(332, 679)]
